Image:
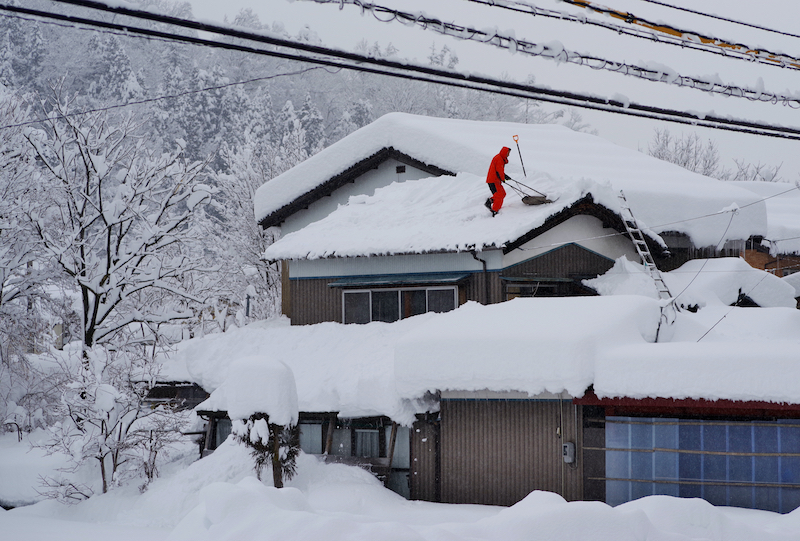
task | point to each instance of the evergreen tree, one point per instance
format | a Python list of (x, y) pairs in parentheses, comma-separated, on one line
[(24, 46), (314, 126), (113, 78), (270, 443)]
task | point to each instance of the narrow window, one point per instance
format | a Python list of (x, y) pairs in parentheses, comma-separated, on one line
[(356, 307), (400, 169), (367, 442), (385, 306), (414, 302), (441, 300), (311, 438)]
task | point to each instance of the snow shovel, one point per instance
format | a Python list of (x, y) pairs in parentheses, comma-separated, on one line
[(528, 199), (540, 199)]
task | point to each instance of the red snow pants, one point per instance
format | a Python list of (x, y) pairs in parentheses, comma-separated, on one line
[(498, 195)]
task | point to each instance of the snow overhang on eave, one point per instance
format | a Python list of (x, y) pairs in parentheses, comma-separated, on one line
[(585, 206), (348, 175)]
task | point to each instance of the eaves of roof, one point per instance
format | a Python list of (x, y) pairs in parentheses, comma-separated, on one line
[(585, 206), (348, 175)]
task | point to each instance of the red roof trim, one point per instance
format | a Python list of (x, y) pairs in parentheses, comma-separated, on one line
[(689, 406)]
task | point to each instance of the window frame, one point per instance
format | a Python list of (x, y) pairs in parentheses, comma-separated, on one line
[(399, 291)]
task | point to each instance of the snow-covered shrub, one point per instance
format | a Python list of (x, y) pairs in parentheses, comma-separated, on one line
[(270, 443)]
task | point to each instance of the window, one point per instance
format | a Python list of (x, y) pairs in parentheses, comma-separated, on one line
[(738, 463), (390, 305)]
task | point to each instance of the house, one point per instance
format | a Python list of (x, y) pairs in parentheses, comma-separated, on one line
[(778, 251), (454, 396), (393, 215)]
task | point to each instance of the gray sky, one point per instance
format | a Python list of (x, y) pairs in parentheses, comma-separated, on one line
[(343, 28)]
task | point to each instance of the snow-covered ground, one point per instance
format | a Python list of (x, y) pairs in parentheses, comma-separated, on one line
[(218, 498)]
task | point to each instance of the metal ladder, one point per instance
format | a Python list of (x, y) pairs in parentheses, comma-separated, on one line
[(641, 247)]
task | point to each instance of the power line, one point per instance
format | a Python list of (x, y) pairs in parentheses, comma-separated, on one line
[(353, 61), (560, 54), (657, 32), (159, 98), (749, 25)]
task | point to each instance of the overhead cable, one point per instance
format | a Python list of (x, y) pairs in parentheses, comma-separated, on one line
[(763, 55), (316, 54), (559, 54), (159, 98), (657, 32), (725, 19)]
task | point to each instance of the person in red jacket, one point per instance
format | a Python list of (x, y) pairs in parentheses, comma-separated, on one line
[(495, 179)]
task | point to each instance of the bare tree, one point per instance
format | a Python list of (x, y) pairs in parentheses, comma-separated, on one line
[(688, 151), (119, 225)]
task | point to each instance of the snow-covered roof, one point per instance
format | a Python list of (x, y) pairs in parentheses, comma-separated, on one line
[(560, 162), (783, 211), (699, 282), (418, 216), (794, 281), (530, 345)]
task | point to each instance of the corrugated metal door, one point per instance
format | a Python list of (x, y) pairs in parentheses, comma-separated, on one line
[(498, 451)]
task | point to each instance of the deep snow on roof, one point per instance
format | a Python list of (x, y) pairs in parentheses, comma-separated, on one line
[(417, 216), (699, 282), (559, 162), (783, 212), (531, 345)]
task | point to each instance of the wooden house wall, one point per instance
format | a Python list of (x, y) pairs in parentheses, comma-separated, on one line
[(475, 288), (424, 471), (569, 261), (498, 451), (314, 302)]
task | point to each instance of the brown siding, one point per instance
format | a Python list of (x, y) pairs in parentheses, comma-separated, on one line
[(498, 451), (475, 287), (312, 301), (776, 265), (424, 471), (570, 261)]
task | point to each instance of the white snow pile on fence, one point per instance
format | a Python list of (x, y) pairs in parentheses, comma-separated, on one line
[(664, 197)]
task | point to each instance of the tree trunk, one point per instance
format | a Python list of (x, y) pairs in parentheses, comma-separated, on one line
[(277, 469), (103, 473)]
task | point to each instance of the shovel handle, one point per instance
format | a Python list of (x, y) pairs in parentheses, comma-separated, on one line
[(516, 138)]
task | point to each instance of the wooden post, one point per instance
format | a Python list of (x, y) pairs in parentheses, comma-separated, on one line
[(329, 435)]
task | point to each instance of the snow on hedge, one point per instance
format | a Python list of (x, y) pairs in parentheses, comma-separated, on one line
[(558, 161), (256, 384)]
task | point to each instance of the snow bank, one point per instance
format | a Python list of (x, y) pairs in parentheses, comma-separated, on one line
[(256, 384), (663, 196), (217, 498), (699, 282)]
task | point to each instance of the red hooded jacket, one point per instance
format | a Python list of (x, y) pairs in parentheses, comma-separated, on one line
[(497, 170)]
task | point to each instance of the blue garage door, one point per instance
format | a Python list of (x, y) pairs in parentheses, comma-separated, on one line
[(743, 464)]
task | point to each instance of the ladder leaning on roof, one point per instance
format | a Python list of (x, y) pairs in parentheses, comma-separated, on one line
[(647, 259)]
